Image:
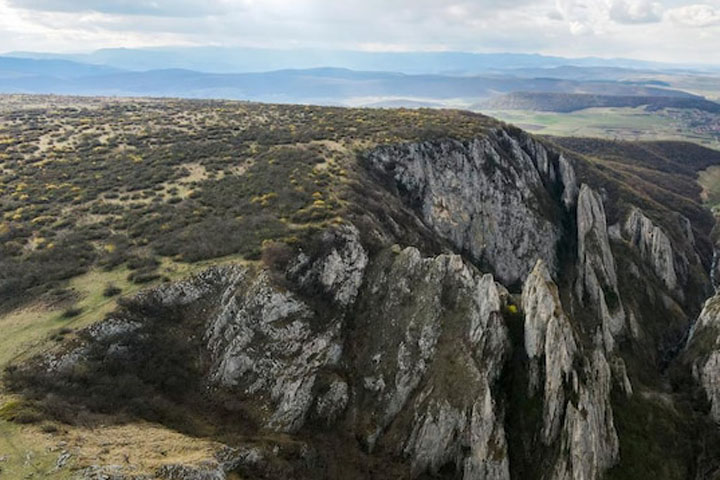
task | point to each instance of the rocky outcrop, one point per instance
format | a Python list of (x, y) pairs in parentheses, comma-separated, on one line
[(405, 350), (576, 406), (263, 343), (704, 342), (589, 436), (597, 284), (337, 269), (687, 229), (709, 376), (270, 343), (497, 198), (654, 247), (430, 364), (550, 346), (427, 335)]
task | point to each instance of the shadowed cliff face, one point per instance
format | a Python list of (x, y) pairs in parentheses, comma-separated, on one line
[(416, 360)]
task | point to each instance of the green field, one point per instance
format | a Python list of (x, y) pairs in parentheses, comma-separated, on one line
[(613, 123)]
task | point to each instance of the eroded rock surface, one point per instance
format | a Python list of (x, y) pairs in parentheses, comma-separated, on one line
[(597, 284), (704, 341), (550, 345), (495, 198), (654, 246), (576, 408), (430, 364), (589, 436)]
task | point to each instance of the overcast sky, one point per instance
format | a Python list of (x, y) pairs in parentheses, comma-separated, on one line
[(668, 30)]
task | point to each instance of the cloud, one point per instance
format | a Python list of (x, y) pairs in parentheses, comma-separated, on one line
[(583, 17), (632, 12), (699, 15), (586, 17), (559, 27), (182, 8), (169, 8)]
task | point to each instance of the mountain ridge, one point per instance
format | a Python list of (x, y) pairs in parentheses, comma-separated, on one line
[(323, 85), (196, 58)]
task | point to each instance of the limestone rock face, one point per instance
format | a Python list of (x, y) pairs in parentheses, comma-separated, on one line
[(687, 230), (569, 182), (654, 246), (709, 376), (188, 292), (270, 343), (597, 285), (406, 350), (337, 270), (705, 342), (581, 422), (263, 343), (430, 364), (427, 336), (589, 436), (550, 346), (496, 198)]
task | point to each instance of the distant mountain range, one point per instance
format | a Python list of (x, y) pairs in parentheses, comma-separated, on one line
[(22, 68), (319, 85), (445, 79), (244, 60)]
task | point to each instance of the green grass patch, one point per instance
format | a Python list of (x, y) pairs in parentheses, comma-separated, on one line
[(25, 447), (25, 330), (611, 123)]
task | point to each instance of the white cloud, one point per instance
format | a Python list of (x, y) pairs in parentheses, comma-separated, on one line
[(638, 11), (583, 16), (699, 15), (169, 8), (563, 27)]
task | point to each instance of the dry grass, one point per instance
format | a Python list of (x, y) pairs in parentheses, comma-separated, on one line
[(32, 451)]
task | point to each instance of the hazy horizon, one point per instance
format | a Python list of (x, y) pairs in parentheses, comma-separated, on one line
[(330, 51)]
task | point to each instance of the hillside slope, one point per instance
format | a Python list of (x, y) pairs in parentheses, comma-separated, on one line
[(348, 293)]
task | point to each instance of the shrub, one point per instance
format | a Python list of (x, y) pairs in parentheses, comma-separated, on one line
[(144, 263), (144, 275), (111, 290), (276, 255), (72, 312), (19, 412), (49, 428)]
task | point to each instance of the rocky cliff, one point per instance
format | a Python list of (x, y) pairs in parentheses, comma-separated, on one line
[(498, 199), (420, 358), (703, 353)]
